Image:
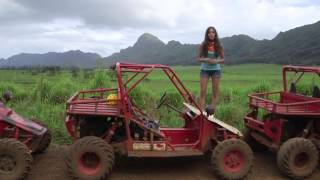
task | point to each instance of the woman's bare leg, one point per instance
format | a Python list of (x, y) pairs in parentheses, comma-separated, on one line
[(203, 90), (215, 91)]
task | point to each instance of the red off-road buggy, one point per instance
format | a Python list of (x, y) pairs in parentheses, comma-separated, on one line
[(19, 137), (99, 128), (288, 122)]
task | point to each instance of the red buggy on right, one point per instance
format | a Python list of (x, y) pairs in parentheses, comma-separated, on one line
[(288, 122)]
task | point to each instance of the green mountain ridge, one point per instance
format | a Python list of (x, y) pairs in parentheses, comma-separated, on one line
[(299, 46), (69, 58)]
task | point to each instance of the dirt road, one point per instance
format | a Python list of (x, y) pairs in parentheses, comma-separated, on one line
[(50, 166)]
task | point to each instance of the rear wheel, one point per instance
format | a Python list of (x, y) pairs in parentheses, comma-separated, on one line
[(90, 158), (45, 140), (297, 158), (232, 159), (15, 159)]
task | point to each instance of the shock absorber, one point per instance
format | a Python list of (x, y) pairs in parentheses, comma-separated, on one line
[(111, 131)]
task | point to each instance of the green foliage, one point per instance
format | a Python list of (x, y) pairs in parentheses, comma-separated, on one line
[(169, 118), (101, 79), (174, 99), (43, 96), (41, 92), (231, 113), (305, 88), (261, 86), (61, 91), (140, 97), (86, 73), (50, 114), (18, 91)]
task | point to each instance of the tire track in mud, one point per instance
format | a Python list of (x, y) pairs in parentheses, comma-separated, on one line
[(50, 166)]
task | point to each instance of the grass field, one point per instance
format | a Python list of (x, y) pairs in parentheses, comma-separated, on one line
[(43, 95)]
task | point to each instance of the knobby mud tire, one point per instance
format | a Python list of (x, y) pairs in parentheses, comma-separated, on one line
[(15, 159), (297, 158), (232, 159), (90, 158)]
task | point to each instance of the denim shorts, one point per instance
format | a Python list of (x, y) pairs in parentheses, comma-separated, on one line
[(210, 73)]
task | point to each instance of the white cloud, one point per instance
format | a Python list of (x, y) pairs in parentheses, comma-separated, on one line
[(106, 26)]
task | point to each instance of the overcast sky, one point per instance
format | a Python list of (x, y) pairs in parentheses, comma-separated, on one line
[(106, 26)]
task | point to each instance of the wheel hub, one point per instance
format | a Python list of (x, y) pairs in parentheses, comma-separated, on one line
[(7, 163), (89, 163), (301, 160), (233, 161)]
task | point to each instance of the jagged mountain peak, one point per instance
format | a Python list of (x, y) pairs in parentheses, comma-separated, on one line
[(174, 43), (148, 40)]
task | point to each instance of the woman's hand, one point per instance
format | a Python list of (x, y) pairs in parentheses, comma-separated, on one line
[(216, 61), (207, 60), (202, 59), (220, 61), (211, 60)]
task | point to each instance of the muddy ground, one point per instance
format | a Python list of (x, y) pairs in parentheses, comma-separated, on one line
[(50, 166)]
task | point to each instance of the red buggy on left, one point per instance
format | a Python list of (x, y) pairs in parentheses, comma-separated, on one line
[(19, 138)]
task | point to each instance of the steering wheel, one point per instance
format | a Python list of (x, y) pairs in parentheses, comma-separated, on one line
[(162, 100)]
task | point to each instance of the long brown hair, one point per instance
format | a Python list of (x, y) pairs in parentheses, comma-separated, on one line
[(203, 50)]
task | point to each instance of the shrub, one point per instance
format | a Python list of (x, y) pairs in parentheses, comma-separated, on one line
[(231, 113), (305, 88), (141, 98), (42, 90), (18, 91), (262, 86), (60, 92), (100, 79)]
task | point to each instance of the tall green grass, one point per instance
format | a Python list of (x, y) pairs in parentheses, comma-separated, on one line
[(43, 95), (20, 92), (52, 115)]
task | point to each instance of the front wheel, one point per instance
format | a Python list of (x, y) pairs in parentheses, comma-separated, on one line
[(232, 159), (90, 158), (297, 158), (15, 159)]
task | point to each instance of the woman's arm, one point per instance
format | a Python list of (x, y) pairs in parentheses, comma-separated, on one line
[(211, 60), (203, 59), (221, 60), (214, 61)]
